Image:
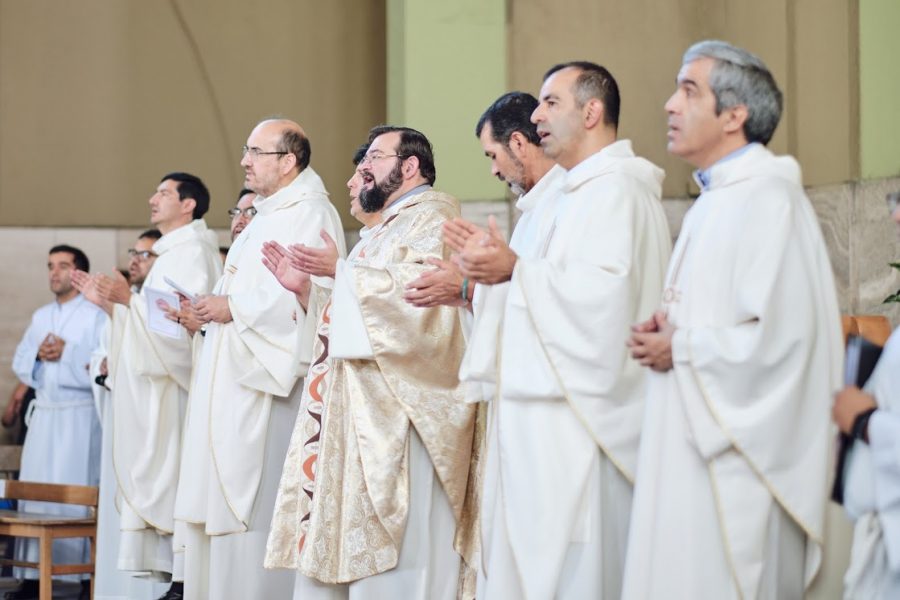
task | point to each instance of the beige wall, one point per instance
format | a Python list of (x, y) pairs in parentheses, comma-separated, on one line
[(810, 48), (100, 98)]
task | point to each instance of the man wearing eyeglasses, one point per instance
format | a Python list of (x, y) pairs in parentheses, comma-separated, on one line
[(141, 258), (109, 581), (242, 407), (150, 375), (242, 213), (395, 408)]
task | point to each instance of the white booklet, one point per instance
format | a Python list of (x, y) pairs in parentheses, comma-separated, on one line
[(181, 290), (156, 316)]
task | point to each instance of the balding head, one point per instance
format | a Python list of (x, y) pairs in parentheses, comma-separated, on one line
[(293, 141), (277, 151)]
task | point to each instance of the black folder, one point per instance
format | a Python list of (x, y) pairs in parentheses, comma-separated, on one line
[(861, 358)]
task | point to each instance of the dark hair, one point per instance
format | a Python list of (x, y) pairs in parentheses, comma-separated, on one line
[(593, 82), (150, 234), (509, 113), (412, 143), (78, 256), (191, 186), (242, 193), (360, 153), (294, 142)]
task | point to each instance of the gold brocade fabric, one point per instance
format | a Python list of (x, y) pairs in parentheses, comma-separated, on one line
[(290, 519), (362, 491)]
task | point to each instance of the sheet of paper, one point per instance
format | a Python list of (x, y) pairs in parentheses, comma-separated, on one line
[(181, 289), (156, 317)]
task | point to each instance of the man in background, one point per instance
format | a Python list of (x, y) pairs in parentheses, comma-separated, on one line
[(109, 582), (63, 442)]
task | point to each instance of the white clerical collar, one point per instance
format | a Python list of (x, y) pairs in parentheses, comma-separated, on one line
[(402, 201), (598, 163), (181, 234), (551, 179), (306, 181)]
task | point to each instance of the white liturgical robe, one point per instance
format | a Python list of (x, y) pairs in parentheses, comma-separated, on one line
[(242, 409), (732, 474), (109, 582), (149, 375), (63, 441), (872, 490), (564, 431)]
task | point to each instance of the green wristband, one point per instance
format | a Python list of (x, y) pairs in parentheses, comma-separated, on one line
[(465, 289)]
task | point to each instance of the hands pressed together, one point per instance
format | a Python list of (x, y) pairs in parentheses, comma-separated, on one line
[(51, 348), (480, 256)]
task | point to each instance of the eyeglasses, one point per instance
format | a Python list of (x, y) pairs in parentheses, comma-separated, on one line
[(893, 200), (370, 158), (141, 254), (248, 212), (255, 152)]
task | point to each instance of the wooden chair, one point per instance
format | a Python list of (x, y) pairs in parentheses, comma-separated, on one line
[(875, 328), (46, 528)]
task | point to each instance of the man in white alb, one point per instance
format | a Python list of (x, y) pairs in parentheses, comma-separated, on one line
[(150, 374), (565, 427), (63, 441), (242, 408), (109, 582), (745, 354)]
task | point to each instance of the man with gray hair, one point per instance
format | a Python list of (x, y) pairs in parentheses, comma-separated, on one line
[(744, 354)]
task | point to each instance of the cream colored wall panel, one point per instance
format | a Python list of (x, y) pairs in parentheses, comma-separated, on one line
[(100, 98)]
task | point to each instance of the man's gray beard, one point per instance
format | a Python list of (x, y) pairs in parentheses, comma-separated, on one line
[(373, 200)]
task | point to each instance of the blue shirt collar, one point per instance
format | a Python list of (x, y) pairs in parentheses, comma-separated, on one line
[(704, 176)]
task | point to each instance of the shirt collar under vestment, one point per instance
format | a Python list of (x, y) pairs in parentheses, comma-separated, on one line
[(400, 202), (703, 177)]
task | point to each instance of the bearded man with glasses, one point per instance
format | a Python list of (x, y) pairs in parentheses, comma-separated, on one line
[(394, 447)]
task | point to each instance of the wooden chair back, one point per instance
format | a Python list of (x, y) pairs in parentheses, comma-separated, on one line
[(875, 328), (49, 492)]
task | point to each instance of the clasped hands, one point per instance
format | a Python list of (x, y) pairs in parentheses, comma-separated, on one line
[(192, 316), (481, 256), (651, 342), (51, 348)]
